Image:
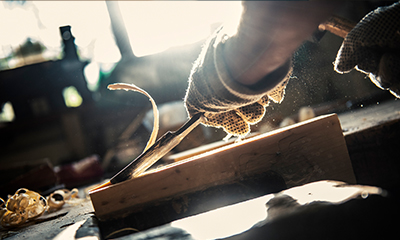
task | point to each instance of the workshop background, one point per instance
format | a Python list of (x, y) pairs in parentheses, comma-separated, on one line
[(57, 58), (59, 125)]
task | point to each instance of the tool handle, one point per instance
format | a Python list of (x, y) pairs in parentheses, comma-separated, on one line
[(337, 25)]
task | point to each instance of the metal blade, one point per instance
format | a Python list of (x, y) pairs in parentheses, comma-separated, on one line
[(161, 147)]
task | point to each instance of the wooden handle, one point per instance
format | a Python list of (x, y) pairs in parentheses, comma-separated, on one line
[(338, 26)]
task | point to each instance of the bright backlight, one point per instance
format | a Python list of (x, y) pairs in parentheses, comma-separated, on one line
[(156, 26)]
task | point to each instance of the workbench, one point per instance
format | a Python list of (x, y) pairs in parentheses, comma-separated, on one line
[(371, 135)]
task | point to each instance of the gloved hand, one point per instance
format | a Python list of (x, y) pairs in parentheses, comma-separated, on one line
[(225, 102), (373, 47)]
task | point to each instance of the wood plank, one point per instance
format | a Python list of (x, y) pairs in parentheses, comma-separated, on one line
[(305, 152), (203, 149)]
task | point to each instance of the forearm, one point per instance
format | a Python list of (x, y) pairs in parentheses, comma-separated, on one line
[(268, 34)]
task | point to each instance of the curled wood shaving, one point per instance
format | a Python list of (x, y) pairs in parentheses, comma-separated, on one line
[(26, 205), (132, 87), (58, 198)]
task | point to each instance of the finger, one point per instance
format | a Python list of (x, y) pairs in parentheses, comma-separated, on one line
[(252, 113), (231, 123), (345, 59), (278, 92)]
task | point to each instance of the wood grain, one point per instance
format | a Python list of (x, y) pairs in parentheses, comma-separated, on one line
[(305, 152)]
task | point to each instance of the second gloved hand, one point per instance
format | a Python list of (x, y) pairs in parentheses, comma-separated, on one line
[(373, 47), (225, 102)]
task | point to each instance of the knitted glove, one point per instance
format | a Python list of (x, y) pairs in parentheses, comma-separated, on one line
[(224, 102), (373, 47)]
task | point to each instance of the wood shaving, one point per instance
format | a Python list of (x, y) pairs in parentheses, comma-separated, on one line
[(132, 87), (26, 205), (58, 198)]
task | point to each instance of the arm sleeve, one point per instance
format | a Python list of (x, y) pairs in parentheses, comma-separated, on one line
[(211, 87)]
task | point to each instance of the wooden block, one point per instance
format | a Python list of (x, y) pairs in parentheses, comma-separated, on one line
[(305, 152)]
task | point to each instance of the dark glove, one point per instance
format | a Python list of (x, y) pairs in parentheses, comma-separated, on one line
[(224, 102), (373, 47)]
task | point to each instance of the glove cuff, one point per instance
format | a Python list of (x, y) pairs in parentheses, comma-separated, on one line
[(251, 93), (212, 89)]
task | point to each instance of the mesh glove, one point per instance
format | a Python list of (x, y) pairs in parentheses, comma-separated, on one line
[(224, 102), (373, 47)]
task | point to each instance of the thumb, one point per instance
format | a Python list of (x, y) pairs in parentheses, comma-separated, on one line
[(346, 59)]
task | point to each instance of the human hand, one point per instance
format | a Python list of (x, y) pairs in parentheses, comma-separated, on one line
[(225, 102), (373, 47), (235, 76)]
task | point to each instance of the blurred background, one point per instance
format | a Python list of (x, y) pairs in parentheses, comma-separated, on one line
[(60, 125)]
